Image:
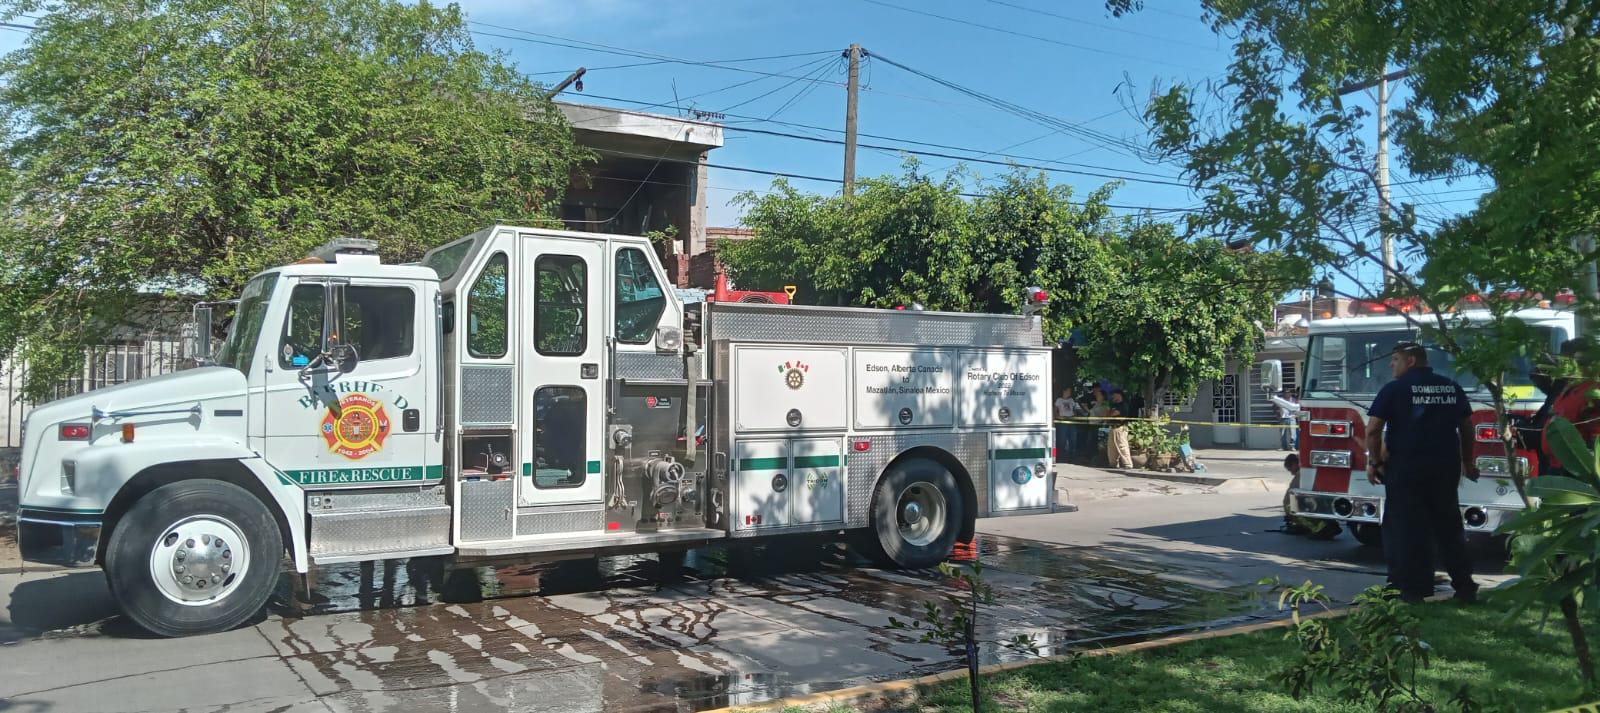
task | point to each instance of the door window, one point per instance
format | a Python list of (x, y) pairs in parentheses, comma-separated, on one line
[(560, 415), (560, 316), (379, 321), (487, 321), (640, 300)]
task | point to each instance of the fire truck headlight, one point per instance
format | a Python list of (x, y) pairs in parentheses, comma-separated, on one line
[(1491, 465), (1331, 459)]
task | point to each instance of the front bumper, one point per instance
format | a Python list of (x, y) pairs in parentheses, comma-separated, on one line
[(56, 537), (1336, 506), (1475, 518)]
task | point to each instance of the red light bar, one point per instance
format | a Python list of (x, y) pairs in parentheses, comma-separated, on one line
[(74, 432)]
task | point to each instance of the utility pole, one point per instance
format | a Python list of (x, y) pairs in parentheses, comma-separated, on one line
[(854, 88), (1382, 172), (1383, 182)]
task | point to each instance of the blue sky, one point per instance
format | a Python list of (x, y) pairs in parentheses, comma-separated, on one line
[(1067, 60)]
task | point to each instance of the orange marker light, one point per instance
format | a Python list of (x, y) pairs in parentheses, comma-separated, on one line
[(127, 433)]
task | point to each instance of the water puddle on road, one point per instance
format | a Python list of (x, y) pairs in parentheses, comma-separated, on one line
[(724, 628)]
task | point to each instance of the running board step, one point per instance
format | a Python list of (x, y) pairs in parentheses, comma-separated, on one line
[(588, 542)]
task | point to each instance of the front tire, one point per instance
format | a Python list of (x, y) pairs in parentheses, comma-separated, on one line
[(194, 557), (916, 514)]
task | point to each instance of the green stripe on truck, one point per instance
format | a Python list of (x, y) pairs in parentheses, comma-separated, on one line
[(763, 463), (1018, 453), (816, 461)]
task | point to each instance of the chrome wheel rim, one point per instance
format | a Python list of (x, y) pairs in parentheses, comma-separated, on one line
[(920, 513), (199, 560)]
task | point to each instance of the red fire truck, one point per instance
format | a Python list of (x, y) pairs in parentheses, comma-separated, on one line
[(1347, 361)]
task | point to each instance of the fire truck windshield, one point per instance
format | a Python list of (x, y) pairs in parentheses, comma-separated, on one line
[(245, 330), (1357, 363)]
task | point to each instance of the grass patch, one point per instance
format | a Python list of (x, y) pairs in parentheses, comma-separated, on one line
[(1517, 665)]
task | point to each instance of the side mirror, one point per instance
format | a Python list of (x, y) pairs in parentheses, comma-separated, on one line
[(200, 348), (1271, 376)]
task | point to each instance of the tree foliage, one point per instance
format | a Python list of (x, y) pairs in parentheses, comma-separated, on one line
[(182, 146), (1155, 311), (1501, 92), (911, 239), (1180, 310)]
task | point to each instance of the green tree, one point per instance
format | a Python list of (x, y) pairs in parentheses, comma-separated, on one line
[(911, 239), (183, 146), (1503, 91), (1178, 310)]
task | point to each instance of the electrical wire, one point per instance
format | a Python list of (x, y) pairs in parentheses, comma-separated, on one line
[(914, 142), (1113, 28), (669, 61), (824, 179), (1053, 41)]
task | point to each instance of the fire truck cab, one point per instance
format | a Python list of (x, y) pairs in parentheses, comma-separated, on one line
[(527, 393), (1346, 363)]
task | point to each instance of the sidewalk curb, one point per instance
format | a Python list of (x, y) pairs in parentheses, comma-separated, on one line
[(910, 689)]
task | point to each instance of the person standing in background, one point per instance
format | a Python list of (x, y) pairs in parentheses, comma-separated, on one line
[(1066, 408), (1091, 430), (1118, 454), (1288, 415)]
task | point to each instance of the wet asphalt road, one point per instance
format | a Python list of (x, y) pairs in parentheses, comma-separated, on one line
[(633, 634)]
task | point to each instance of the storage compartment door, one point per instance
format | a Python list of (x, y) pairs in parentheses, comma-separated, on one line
[(1004, 387), (762, 484), (1019, 471), (789, 389), (818, 480)]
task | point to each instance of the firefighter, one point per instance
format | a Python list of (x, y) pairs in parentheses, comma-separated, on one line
[(1429, 441)]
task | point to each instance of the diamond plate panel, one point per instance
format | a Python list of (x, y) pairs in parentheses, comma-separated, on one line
[(791, 324), (488, 395), (971, 448), (644, 366), (340, 501), (561, 519), (486, 507), (378, 532)]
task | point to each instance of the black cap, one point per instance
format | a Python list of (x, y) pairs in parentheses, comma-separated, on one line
[(1412, 349)]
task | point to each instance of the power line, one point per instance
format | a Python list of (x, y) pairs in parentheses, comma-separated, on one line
[(935, 154), (612, 50), (824, 179), (1038, 117), (1014, 33), (815, 72), (1112, 28), (669, 61), (916, 142)]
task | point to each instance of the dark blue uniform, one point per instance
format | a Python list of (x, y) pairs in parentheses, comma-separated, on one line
[(1422, 411)]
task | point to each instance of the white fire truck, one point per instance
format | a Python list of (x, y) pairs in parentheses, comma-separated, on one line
[(1347, 361), (522, 394)]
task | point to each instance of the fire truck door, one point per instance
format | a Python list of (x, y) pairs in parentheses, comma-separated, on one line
[(563, 371), (373, 424)]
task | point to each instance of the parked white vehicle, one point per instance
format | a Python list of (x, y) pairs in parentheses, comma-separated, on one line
[(527, 393)]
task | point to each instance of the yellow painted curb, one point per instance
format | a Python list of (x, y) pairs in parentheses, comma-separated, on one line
[(910, 688)]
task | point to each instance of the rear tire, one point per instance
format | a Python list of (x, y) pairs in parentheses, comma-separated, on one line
[(194, 557), (917, 513), (1369, 535)]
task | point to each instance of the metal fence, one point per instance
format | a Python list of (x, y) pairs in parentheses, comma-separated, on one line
[(127, 359)]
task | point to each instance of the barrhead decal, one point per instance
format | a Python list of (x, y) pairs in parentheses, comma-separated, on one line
[(794, 374), (358, 427), (355, 419)]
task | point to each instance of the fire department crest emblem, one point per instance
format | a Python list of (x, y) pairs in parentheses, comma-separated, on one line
[(794, 374), (358, 428)]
